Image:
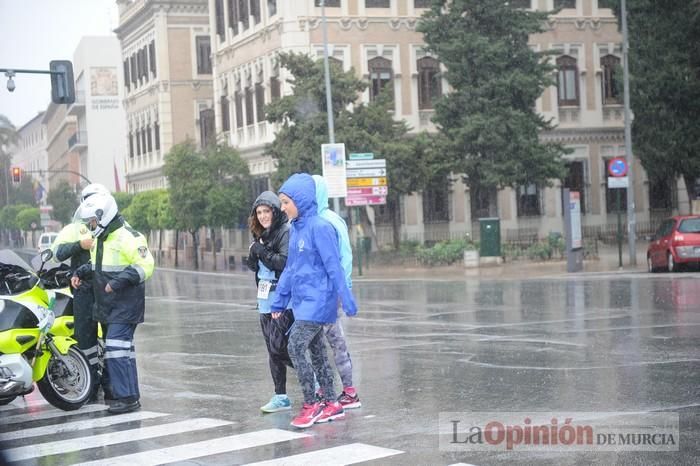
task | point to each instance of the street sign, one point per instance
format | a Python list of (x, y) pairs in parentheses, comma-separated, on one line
[(361, 182), (333, 163), (365, 172), (373, 191), (376, 163), (362, 156), (617, 167), (365, 200), (618, 182)]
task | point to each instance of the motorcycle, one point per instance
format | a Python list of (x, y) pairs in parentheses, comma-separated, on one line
[(35, 345)]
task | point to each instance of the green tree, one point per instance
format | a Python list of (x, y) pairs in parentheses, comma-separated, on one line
[(24, 193), (137, 211), (8, 137), (363, 128), (160, 216), (227, 196), (8, 218), (665, 88), (303, 116), (26, 217), (488, 118), (188, 178), (123, 200), (64, 201)]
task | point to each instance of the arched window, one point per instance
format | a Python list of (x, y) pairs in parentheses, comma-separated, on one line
[(429, 82), (611, 67), (381, 76), (567, 81)]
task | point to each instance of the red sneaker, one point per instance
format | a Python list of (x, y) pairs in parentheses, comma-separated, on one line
[(308, 415), (349, 399), (332, 410)]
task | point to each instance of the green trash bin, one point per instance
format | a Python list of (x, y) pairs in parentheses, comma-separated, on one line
[(490, 243)]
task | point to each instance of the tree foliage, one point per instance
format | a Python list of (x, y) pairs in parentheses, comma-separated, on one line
[(64, 201), (8, 137), (138, 210), (229, 179), (26, 217), (665, 87), (488, 118), (8, 216)]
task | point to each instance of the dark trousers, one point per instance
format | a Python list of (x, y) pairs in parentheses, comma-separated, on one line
[(275, 333), (120, 359), (85, 326), (304, 336)]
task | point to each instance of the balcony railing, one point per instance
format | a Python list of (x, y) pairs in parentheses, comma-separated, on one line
[(78, 141)]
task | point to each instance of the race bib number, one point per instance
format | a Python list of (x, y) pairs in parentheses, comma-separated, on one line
[(264, 289)]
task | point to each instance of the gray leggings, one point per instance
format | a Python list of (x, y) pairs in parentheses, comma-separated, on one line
[(336, 338), (304, 336)]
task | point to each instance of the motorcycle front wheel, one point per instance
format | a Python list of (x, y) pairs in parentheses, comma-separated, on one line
[(67, 383)]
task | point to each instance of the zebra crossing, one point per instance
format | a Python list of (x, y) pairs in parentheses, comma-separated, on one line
[(34, 432)]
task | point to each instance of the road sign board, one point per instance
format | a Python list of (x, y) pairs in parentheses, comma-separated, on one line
[(361, 182), (365, 172), (374, 190), (618, 182), (376, 163), (365, 200), (618, 167), (362, 156), (333, 166)]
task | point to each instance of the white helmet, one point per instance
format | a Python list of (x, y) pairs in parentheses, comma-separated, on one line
[(92, 188), (101, 207)]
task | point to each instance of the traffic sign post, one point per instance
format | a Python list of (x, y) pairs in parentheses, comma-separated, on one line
[(617, 169)]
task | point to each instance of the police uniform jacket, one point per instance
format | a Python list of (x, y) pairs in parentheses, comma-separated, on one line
[(67, 245), (120, 257)]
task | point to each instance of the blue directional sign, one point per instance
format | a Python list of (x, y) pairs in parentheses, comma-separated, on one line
[(618, 167)]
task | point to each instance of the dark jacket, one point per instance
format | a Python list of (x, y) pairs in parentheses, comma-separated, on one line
[(121, 258), (272, 252)]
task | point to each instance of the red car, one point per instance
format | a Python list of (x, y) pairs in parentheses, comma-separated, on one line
[(676, 243)]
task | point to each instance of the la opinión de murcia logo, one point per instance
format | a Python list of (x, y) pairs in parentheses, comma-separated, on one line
[(571, 431)]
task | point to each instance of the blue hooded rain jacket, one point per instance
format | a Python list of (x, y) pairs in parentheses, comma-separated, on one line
[(313, 278), (341, 228)]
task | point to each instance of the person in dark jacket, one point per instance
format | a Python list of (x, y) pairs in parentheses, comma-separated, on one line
[(74, 242), (267, 257), (120, 265), (313, 282)]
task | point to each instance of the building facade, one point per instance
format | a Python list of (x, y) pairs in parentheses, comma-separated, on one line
[(167, 83), (98, 111), (378, 39), (31, 156), (63, 162)]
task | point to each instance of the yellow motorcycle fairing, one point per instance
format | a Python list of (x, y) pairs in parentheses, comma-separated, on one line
[(18, 340), (62, 343)]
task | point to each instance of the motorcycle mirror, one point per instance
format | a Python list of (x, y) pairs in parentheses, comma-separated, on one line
[(46, 255)]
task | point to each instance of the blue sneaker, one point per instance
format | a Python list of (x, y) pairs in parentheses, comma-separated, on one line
[(277, 403)]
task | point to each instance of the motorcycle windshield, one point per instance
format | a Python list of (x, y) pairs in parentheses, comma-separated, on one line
[(16, 276)]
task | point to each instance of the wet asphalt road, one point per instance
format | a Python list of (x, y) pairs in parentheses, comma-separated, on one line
[(590, 343)]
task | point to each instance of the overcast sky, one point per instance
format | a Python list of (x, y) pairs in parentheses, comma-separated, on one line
[(34, 32)]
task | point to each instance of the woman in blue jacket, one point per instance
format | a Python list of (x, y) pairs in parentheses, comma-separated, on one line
[(312, 283)]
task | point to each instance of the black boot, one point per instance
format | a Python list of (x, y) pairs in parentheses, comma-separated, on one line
[(123, 406)]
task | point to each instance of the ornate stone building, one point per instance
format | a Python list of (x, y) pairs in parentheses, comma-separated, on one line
[(378, 39), (167, 75)]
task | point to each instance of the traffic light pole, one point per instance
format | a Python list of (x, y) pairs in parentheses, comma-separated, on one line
[(60, 171)]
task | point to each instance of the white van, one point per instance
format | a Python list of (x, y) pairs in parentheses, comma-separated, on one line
[(46, 240)]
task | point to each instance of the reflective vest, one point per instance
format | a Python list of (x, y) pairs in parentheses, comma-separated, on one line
[(121, 258), (67, 245)]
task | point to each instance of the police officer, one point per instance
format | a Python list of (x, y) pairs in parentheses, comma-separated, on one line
[(121, 263), (74, 242)]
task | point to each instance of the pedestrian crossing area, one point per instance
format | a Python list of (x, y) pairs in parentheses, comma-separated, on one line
[(32, 432)]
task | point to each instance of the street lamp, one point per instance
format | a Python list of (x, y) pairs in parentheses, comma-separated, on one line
[(329, 99)]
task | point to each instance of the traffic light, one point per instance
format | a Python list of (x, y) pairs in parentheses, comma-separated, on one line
[(16, 175), (62, 85)]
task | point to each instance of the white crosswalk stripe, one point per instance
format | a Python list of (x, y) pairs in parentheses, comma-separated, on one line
[(337, 456), (205, 448), (78, 425), (66, 446), (89, 436)]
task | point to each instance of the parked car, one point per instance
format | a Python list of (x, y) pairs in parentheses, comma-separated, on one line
[(46, 240), (675, 244)]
